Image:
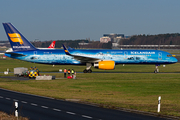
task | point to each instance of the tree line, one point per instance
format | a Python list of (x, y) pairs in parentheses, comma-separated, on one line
[(160, 39), (73, 44)]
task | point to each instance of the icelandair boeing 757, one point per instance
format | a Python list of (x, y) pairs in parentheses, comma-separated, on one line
[(101, 59)]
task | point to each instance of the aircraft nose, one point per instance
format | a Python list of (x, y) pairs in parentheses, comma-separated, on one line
[(174, 60)]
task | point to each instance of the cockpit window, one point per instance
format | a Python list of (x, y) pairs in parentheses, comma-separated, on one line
[(169, 55)]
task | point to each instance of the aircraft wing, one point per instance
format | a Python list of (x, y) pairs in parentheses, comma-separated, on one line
[(14, 54), (81, 58), (85, 59)]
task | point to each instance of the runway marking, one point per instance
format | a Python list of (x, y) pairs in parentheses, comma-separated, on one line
[(87, 116), (56, 109), (71, 113), (34, 104), (8, 98), (24, 102), (26, 93), (44, 107)]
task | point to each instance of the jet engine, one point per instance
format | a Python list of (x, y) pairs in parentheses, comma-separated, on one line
[(105, 65)]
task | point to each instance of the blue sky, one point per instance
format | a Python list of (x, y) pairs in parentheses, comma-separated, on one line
[(81, 19)]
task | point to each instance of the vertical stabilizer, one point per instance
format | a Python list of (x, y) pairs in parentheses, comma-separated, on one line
[(52, 44), (66, 50), (17, 40)]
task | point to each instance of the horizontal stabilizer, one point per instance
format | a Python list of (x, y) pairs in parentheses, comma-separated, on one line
[(13, 54)]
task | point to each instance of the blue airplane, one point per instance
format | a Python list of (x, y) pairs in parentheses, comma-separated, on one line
[(101, 59)]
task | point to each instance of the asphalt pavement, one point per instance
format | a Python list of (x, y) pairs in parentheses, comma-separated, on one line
[(43, 108)]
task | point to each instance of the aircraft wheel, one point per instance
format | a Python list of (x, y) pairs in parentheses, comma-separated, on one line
[(89, 71), (85, 71)]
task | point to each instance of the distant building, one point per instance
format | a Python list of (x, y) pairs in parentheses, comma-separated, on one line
[(83, 43), (113, 35), (105, 39), (4, 44), (114, 38)]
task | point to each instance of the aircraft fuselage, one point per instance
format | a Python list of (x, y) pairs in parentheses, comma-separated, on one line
[(57, 56)]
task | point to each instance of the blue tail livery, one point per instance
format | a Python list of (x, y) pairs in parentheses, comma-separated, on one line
[(101, 59), (66, 50), (17, 40)]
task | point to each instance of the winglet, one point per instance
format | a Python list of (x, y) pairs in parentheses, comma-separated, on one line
[(66, 50)]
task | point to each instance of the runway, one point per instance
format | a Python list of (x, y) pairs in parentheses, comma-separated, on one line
[(44, 108)]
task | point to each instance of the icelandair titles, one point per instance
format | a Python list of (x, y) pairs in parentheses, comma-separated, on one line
[(138, 53), (21, 46)]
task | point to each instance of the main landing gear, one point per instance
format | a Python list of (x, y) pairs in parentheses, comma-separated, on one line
[(88, 68), (156, 69), (87, 71)]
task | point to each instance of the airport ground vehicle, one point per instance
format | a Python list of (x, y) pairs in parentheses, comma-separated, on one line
[(20, 71), (24, 72), (33, 73)]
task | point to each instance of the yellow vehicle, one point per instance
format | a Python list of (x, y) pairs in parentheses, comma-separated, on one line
[(33, 73)]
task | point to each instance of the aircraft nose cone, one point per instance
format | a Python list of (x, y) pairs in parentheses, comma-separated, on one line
[(174, 60)]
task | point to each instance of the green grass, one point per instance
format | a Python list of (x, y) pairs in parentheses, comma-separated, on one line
[(134, 87), (11, 64)]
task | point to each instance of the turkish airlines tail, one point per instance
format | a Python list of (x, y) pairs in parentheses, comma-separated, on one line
[(52, 44)]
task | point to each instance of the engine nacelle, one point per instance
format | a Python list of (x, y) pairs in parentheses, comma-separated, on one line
[(105, 65)]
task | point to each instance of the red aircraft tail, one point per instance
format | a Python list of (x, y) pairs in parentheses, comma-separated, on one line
[(52, 44)]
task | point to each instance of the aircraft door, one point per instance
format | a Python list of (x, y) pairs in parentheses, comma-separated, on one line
[(125, 54), (160, 56), (35, 52), (63, 59)]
